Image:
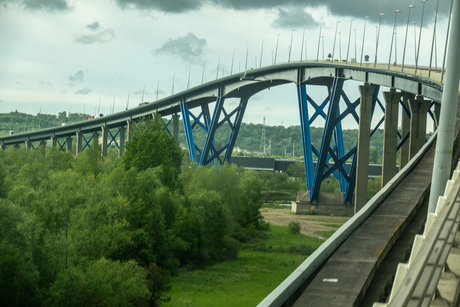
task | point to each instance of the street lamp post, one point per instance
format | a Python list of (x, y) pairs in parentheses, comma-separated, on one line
[(218, 64), (290, 47), (322, 41), (364, 35), (392, 38), (276, 49), (261, 52), (405, 40), (340, 46), (349, 39), (247, 53), (433, 41), (377, 43), (355, 43), (419, 37), (447, 39), (301, 49), (319, 41), (335, 37), (233, 57)]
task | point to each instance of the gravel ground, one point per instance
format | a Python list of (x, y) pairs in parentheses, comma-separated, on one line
[(309, 223)]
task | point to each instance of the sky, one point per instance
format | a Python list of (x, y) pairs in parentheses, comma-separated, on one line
[(86, 55)]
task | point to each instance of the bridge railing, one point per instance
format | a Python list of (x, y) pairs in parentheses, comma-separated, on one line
[(291, 288), (416, 281)]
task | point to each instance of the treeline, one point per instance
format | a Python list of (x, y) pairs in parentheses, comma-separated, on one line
[(85, 230), (279, 141)]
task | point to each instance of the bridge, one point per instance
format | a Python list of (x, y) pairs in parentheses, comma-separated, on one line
[(357, 265)]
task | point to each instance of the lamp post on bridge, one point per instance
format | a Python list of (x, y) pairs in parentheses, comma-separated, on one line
[(290, 47), (319, 41), (434, 37), (276, 49), (261, 52), (419, 37), (247, 53), (364, 35), (340, 46), (233, 56), (392, 38), (335, 36), (377, 43), (405, 40), (349, 38), (445, 48), (218, 64), (301, 49)]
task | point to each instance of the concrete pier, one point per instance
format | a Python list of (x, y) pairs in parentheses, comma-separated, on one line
[(121, 146), (390, 134), (79, 142), (364, 136), (104, 141), (28, 145), (418, 108), (129, 130), (69, 143), (175, 132), (405, 129)]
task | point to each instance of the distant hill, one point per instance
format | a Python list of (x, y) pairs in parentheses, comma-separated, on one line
[(279, 140)]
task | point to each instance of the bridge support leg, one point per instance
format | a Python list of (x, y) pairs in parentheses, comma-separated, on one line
[(16, 146), (43, 146), (418, 109), (364, 136), (390, 135), (129, 130), (79, 142), (28, 145), (3, 146), (104, 141), (121, 146), (405, 129), (95, 140), (69, 144), (53, 141), (436, 112), (175, 120)]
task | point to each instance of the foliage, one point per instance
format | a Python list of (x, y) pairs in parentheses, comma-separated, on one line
[(294, 227), (151, 147)]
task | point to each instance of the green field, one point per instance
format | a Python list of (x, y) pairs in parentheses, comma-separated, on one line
[(245, 281)]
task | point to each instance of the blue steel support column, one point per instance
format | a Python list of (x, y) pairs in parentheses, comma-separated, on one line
[(236, 128), (306, 137), (208, 144), (324, 152), (188, 131), (340, 148)]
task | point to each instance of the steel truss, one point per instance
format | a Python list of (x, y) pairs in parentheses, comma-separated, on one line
[(209, 153)]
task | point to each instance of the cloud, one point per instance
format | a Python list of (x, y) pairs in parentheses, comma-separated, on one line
[(105, 36), (84, 91), (46, 5), (94, 26), (63, 92), (167, 6), (77, 77), (189, 48), (294, 18), (43, 83), (354, 9)]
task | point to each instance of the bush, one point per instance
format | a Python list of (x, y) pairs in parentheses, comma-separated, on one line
[(294, 227)]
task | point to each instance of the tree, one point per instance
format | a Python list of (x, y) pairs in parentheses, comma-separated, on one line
[(152, 147)]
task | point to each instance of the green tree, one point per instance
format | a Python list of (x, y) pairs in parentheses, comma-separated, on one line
[(152, 147)]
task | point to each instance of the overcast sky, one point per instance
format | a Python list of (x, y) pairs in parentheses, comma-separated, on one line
[(67, 55)]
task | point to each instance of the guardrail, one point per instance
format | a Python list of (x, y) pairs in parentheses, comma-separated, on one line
[(416, 281), (288, 291)]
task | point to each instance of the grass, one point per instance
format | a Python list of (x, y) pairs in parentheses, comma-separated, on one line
[(246, 280)]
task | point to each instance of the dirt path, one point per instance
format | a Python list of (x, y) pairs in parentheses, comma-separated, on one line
[(309, 223)]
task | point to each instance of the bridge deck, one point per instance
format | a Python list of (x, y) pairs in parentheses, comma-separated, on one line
[(349, 271)]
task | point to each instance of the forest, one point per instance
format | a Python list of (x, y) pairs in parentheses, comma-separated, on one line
[(82, 229)]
